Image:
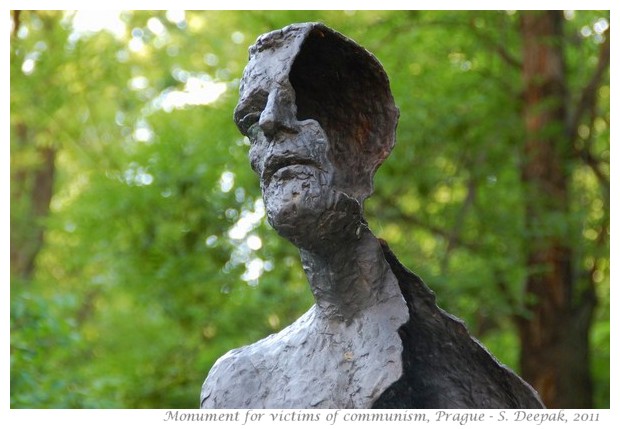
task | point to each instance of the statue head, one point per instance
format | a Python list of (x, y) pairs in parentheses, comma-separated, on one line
[(320, 117)]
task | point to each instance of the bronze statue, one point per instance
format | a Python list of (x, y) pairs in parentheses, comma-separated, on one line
[(321, 118)]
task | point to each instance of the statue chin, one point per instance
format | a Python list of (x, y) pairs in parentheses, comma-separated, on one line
[(316, 218)]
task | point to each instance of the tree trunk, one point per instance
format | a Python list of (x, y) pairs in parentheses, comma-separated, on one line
[(31, 193), (554, 332)]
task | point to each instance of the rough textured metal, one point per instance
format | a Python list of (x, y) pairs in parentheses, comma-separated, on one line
[(444, 367), (320, 116)]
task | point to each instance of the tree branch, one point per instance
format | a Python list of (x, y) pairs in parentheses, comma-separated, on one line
[(595, 166), (16, 21), (498, 48), (587, 99), (454, 234), (433, 229)]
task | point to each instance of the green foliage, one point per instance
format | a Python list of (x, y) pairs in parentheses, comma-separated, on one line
[(157, 257)]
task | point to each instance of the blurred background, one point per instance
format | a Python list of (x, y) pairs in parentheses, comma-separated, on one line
[(140, 252)]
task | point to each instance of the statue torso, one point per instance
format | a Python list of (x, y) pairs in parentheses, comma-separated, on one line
[(316, 362)]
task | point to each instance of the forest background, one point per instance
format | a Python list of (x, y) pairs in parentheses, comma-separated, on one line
[(140, 252)]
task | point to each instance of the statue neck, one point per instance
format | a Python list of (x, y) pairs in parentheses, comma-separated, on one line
[(349, 279)]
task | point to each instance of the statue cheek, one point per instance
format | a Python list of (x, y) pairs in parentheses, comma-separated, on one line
[(254, 162), (256, 157)]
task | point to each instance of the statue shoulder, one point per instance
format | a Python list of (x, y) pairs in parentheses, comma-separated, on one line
[(243, 377), (231, 374)]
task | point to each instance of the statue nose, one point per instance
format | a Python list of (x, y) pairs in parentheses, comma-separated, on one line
[(268, 123), (278, 115)]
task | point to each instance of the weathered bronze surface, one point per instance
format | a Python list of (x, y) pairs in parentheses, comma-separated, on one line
[(321, 118)]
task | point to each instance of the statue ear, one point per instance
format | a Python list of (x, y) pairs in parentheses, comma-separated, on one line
[(345, 88)]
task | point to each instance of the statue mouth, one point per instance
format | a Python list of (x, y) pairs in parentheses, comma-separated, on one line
[(276, 163)]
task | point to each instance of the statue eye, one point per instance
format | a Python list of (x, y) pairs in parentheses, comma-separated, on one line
[(252, 132), (246, 123), (249, 109)]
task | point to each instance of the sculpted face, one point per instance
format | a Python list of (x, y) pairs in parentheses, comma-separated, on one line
[(313, 180), (292, 159)]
